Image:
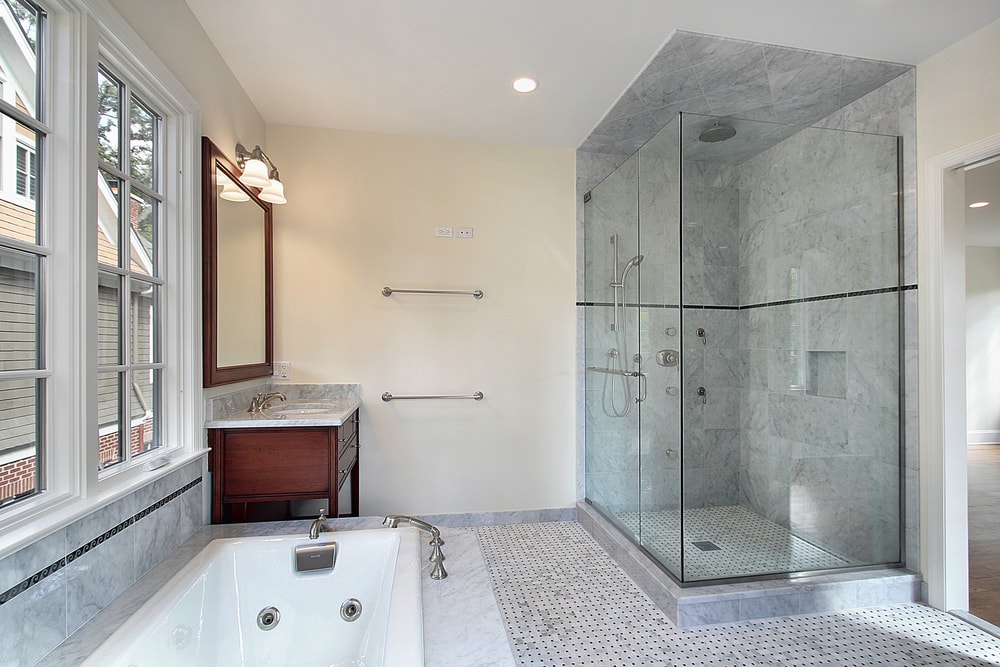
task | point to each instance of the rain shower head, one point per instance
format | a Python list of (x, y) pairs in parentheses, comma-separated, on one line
[(718, 132)]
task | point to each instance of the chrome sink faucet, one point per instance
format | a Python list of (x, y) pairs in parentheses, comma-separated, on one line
[(437, 557), (261, 401), (319, 525)]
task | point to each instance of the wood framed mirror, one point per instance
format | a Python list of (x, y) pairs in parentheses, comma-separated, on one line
[(236, 273)]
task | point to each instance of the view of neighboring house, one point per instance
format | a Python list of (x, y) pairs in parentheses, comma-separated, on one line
[(20, 272)]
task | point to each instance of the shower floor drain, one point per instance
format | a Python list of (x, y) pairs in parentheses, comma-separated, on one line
[(707, 546)]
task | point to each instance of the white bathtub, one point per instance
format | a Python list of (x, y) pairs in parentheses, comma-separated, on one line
[(207, 613)]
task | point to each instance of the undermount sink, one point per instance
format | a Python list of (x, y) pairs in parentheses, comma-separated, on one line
[(298, 409)]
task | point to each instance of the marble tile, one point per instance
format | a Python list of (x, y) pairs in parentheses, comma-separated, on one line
[(34, 623), (673, 87), (462, 623), (98, 577), (20, 565)]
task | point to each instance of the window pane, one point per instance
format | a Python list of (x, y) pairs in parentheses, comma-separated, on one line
[(18, 311), (109, 410), (109, 352), (145, 411), (109, 191), (20, 441), (142, 158), (109, 108), (17, 191), (18, 51), (143, 317), (143, 211)]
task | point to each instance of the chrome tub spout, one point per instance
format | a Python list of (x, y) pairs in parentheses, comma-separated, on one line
[(319, 525), (437, 557)]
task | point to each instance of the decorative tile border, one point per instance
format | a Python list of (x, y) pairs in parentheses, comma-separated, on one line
[(54, 567), (766, 304)]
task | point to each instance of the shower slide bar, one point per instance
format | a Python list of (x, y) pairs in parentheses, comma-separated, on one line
[(388, 291), (478, 396)]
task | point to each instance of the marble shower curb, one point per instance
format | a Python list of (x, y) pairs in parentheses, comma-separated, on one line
[(726, 603)]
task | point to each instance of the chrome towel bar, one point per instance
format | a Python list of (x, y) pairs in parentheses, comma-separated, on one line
[(388, 291), (478, 396)]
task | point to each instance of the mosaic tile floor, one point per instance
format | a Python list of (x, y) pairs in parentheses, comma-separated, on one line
[(748, 544), (565, 603)]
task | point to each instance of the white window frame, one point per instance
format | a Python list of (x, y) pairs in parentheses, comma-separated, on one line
[(82, 33)]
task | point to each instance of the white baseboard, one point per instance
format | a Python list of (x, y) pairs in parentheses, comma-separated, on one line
[(983, 437)]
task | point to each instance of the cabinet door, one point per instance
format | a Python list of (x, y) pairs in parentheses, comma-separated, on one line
[(277, 462)]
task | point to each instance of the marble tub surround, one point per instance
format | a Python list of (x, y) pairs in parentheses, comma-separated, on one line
[(230, 410), (53, 587), (462, 623)]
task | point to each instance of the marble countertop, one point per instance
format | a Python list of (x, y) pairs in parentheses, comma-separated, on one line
[(462, 621), (294, 412)]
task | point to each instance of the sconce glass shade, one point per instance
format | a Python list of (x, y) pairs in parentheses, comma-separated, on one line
[(255, 173), (232, 192), (274, 192)]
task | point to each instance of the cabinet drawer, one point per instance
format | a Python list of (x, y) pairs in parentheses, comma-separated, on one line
[(347, 434), (344, 465), (276, 464)]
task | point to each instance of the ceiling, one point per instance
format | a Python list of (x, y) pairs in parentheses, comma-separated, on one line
[(443, 68)]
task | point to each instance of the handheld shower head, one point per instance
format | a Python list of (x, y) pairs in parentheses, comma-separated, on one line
[(635, 261)]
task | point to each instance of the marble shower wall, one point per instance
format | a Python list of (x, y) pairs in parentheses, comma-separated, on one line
[(52, 587), (820, 417)]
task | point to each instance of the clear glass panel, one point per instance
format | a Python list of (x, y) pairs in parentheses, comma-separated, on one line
[(18, 202), (109, 192), (660, 346), (19, 54), (142, 146), (109, 319), (143, 220), (144, 395), (109, 418), (611, 241), (20, 438), (790, 315), (142, 317), (18, 311), (109, 109)]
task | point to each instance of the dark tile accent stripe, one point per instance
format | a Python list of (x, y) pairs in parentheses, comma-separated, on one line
[(766, 304), (52, 568)]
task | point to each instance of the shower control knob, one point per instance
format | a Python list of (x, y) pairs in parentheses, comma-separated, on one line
[(668, 358), (670, 331), (671, 391)]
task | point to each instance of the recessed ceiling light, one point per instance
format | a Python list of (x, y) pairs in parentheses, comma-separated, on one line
[(525, 84), (979, 204)]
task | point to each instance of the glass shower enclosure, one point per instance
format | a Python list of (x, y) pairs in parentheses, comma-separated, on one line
[(742, 317)]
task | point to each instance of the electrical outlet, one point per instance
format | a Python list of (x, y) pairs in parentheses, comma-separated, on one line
[(464, 232), (282, 370), (444, 232)]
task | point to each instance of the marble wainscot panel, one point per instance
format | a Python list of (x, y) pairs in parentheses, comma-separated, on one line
[(56, 585)]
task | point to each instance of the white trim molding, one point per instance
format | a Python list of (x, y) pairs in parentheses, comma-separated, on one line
[(944, 548)]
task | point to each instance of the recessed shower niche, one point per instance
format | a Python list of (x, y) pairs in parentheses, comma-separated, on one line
[(768, 256)]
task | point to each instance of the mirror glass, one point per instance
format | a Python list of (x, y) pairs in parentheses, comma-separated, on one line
[(237, 274)]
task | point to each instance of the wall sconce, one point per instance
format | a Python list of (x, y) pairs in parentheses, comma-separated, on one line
[(260, 172)]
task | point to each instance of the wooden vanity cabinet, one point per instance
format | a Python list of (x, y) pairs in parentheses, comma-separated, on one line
[(258, 472)]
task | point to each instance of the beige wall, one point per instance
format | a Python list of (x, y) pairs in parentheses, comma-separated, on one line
[(171, 30), (958, 94), (361, 215)]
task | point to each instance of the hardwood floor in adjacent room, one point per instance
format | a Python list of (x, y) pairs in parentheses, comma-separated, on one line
[(984, 532)]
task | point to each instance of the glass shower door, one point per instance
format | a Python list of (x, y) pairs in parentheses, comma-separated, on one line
[(612, 377)]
